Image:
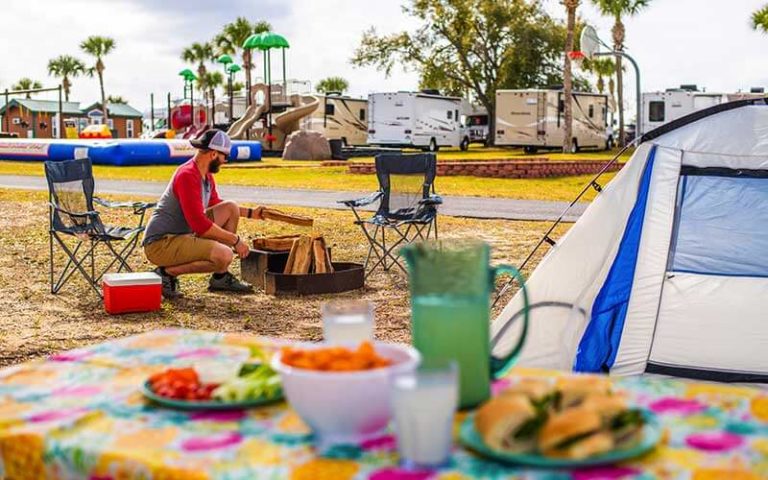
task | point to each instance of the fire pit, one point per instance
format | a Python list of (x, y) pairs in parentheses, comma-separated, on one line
[(305, 267)]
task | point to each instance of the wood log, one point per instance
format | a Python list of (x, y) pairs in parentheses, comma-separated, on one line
[(277, 215), (303, 258), (282, 243), (319, 256), (291, 257)]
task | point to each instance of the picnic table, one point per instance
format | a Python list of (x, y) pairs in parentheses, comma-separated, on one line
[(80, 414)]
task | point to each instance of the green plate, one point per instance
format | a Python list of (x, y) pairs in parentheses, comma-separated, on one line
[(651, 435), (207, 405)]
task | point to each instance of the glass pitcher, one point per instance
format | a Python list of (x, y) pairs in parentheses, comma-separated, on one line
[(451, 283)]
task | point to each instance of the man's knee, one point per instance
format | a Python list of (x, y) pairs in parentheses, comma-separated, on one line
[(231, 207), (221, 256)]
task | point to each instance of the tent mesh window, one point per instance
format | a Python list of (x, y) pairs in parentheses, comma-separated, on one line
[(721, 226)]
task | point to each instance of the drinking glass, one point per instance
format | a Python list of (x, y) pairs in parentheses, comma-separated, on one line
[(348, 321), (424, 403)]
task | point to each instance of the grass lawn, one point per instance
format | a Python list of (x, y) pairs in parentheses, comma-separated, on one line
[(338, 178), (34, 323)]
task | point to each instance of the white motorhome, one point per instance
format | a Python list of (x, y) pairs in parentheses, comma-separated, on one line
[(533, 119), (660, 108), (415, 119), (340, 118)]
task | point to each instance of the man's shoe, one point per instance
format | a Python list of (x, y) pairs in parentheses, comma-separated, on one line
[(229, 283), (170, 285)]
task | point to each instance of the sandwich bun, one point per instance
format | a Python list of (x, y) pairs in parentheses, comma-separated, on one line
[(575, 389), (498, 420), (595, 444), (566, 425), (607, 406), (533, 388)]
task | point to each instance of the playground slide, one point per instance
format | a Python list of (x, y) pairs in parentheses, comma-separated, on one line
[(288, 121), (252, 114)]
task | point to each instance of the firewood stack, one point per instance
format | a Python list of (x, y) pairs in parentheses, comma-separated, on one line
[(309, 254)]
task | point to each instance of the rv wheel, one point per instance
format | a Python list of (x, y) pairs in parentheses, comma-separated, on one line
[(574, 146), (530, 150), (464, 146), (433, 146)]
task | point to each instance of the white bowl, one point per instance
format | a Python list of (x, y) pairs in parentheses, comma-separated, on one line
[(345, 407)]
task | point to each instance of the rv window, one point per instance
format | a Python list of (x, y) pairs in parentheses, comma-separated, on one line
[(362, 114), (330, 109), (656, 111), (456, 115), (450, 114), (591, 111), (561, 105)]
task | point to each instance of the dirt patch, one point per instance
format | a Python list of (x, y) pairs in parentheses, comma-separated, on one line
[(33, 322)]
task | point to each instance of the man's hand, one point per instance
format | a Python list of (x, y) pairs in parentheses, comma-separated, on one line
[(242, 249)]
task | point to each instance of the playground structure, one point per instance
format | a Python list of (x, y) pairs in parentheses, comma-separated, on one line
[(272, 116)]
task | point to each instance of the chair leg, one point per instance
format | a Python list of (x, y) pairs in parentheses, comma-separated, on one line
[(50, 245), (77, 265)]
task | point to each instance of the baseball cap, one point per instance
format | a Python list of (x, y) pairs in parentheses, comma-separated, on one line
[(213, 139)]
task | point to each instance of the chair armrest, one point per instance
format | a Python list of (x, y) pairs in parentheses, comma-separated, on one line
[(432, 200), (360, 202), (89, 214), (138, 207)]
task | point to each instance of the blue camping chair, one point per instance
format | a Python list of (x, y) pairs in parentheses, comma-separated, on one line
[(72, 214), (407, 207)]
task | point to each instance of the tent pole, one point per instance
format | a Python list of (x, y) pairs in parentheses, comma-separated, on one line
[(546, 238)]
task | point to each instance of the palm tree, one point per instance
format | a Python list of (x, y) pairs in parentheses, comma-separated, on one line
[(117, 100), (332, 84), (26, 84), (199, 53), (66, 67), (617, 9), (234, 35), (603, 68), (99, 47), (760, 19), (208, 85), (570, 7)]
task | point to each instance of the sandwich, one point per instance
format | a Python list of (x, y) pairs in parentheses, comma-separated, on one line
[(575, 389), (533, 388), (575, 434), (509, 424), (624, 424)]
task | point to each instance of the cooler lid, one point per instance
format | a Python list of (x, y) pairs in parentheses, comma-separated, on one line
[(132, 278)]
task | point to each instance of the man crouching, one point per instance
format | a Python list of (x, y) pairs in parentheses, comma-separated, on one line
[(192, 230)]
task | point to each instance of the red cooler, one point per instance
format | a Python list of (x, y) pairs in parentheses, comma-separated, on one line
[(131, 292)]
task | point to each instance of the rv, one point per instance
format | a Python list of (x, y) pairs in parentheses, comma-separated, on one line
[(340, 118), (424, 120), (476, 123), (533, 119), (660, 108)]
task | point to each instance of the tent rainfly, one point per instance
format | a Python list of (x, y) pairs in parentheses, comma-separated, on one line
[(667, 270)]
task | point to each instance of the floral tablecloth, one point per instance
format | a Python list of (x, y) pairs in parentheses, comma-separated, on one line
[(80, 414)]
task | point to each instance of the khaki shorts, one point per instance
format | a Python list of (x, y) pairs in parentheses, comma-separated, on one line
[(174, 250)]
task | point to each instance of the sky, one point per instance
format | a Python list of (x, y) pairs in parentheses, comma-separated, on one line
[(704, 42)]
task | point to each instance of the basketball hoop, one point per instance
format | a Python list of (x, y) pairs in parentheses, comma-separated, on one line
[(577, 57)]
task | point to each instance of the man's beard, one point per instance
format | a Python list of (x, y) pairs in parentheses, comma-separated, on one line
[(214, 166)]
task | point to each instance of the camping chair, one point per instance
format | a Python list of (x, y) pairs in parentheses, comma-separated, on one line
[(71, 214), (407, 207)]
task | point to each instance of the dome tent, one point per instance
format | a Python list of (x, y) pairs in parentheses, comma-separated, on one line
[(667, 270)]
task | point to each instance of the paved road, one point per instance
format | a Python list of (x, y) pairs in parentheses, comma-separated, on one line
[(477, 207)]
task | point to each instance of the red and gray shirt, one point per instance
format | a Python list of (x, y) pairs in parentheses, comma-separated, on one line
[(181, 208)]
